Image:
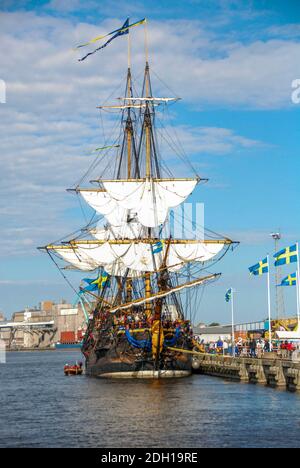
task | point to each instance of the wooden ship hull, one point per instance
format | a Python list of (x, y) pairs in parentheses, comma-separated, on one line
[(122, 361)]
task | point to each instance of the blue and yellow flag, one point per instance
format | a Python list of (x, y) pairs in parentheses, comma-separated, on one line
[(119, 32), (260, 267), (228, 295), (97, 283), (290, 280), (286, 256), (158, 247), (116, 33)]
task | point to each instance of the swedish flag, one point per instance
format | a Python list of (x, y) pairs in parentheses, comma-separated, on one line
[(260, 267), (102, 281), (158, 247), (228, 295), (97, 283), (286, 256), (290, 280)]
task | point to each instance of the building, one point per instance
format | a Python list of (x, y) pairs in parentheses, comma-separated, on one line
[(245, 331), (43, 326), (212, 334)]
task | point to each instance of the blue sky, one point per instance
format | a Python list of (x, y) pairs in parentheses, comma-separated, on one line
[(232, 62)]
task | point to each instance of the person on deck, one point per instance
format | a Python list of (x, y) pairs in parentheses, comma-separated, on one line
[(267, 346), (220, 345), (253, 348)]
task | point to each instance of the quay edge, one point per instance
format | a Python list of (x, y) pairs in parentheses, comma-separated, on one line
[(268, 370)]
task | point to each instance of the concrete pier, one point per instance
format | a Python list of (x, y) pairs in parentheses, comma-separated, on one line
[(268, 370)]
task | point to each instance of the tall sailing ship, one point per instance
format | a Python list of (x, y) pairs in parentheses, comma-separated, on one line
[(141, 272)]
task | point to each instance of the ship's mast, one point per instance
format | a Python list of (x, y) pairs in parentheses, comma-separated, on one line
[(147, 122), (147, 127), (129, 131), (129, 122)]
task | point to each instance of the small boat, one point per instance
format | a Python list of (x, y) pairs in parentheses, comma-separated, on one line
[(73, 370)]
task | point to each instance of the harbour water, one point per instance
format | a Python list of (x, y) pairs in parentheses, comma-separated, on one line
[(40, 407)]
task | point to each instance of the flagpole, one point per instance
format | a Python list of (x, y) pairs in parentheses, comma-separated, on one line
[(129, 50), (298, 286), (298, 310), (146, 42), (269, 306), (232, 324)]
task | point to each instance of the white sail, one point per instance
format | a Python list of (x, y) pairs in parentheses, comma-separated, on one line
[(162, 99), (198, 252), (137, 256), (142, 257), (101, 202), (77, 261), (119, 269), (150, 199), (102, 254), (101, 233), (129, 106)]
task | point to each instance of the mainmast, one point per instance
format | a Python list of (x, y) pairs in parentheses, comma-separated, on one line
[(129, 128), (147, 123)]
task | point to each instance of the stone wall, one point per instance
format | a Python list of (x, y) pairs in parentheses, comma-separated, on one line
[(269, 370)]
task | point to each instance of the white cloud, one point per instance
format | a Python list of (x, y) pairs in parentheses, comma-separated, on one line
[(50, 118)]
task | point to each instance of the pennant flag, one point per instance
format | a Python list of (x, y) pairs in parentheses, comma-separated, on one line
[(260, 268), (106, 147), (123, 29), (290, 280), (158, 247), (96, 284), (286, 256), (118, 32), (228, 295)]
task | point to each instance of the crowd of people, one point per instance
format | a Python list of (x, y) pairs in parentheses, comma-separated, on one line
[(254, 348), (140, 320)]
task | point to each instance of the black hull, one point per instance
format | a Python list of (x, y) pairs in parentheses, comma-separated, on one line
[(110, 364)]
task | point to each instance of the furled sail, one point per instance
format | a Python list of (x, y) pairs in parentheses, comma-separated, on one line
[(138, 256), (70, 256), (101, 202), (162, 99), (150, 199)]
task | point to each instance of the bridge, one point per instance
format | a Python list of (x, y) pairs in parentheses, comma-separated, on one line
[(32, 329), (22, 325)]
